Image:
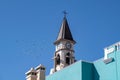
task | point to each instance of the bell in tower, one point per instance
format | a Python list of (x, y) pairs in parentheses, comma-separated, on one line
[(64, 53)]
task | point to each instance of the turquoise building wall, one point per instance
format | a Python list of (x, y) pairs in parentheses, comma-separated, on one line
[(118, 64), (80, 70), (87, 71), (72, 72)]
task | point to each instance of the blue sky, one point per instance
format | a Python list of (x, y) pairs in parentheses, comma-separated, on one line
[(28, 29)]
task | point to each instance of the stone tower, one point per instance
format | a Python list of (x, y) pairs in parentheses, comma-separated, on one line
[(64, 53)]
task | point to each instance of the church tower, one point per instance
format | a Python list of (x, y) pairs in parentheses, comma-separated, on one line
[(64, 54)]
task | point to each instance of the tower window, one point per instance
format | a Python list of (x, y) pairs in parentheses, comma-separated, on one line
[(68, 58), (58, 59)]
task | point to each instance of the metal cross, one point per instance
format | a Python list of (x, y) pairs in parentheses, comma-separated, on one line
[(65, 13)]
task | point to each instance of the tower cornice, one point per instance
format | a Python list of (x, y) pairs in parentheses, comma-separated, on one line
[(64, 49), (56, 42)]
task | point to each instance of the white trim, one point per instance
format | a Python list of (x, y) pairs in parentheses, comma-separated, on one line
[(110, 49), (106, 61)]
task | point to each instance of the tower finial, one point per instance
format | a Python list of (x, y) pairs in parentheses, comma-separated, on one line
[(65, 13)]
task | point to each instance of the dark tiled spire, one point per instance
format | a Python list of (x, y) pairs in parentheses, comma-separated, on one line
[(64, 33)]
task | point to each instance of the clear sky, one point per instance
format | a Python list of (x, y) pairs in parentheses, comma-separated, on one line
[(28, 29)]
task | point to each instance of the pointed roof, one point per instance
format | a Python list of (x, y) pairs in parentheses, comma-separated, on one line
[(64, 33)]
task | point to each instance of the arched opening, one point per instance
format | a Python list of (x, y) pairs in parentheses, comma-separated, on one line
[(58, 59), (68, 58)]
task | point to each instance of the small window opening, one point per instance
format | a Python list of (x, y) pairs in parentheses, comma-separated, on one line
[(68, 58), (58, 59)]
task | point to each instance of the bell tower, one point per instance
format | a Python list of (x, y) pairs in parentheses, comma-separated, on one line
[(64, 53)]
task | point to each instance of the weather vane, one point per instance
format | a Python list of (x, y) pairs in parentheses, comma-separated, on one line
[(65, 13)]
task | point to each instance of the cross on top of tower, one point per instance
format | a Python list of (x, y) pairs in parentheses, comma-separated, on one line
[(65, 13)]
